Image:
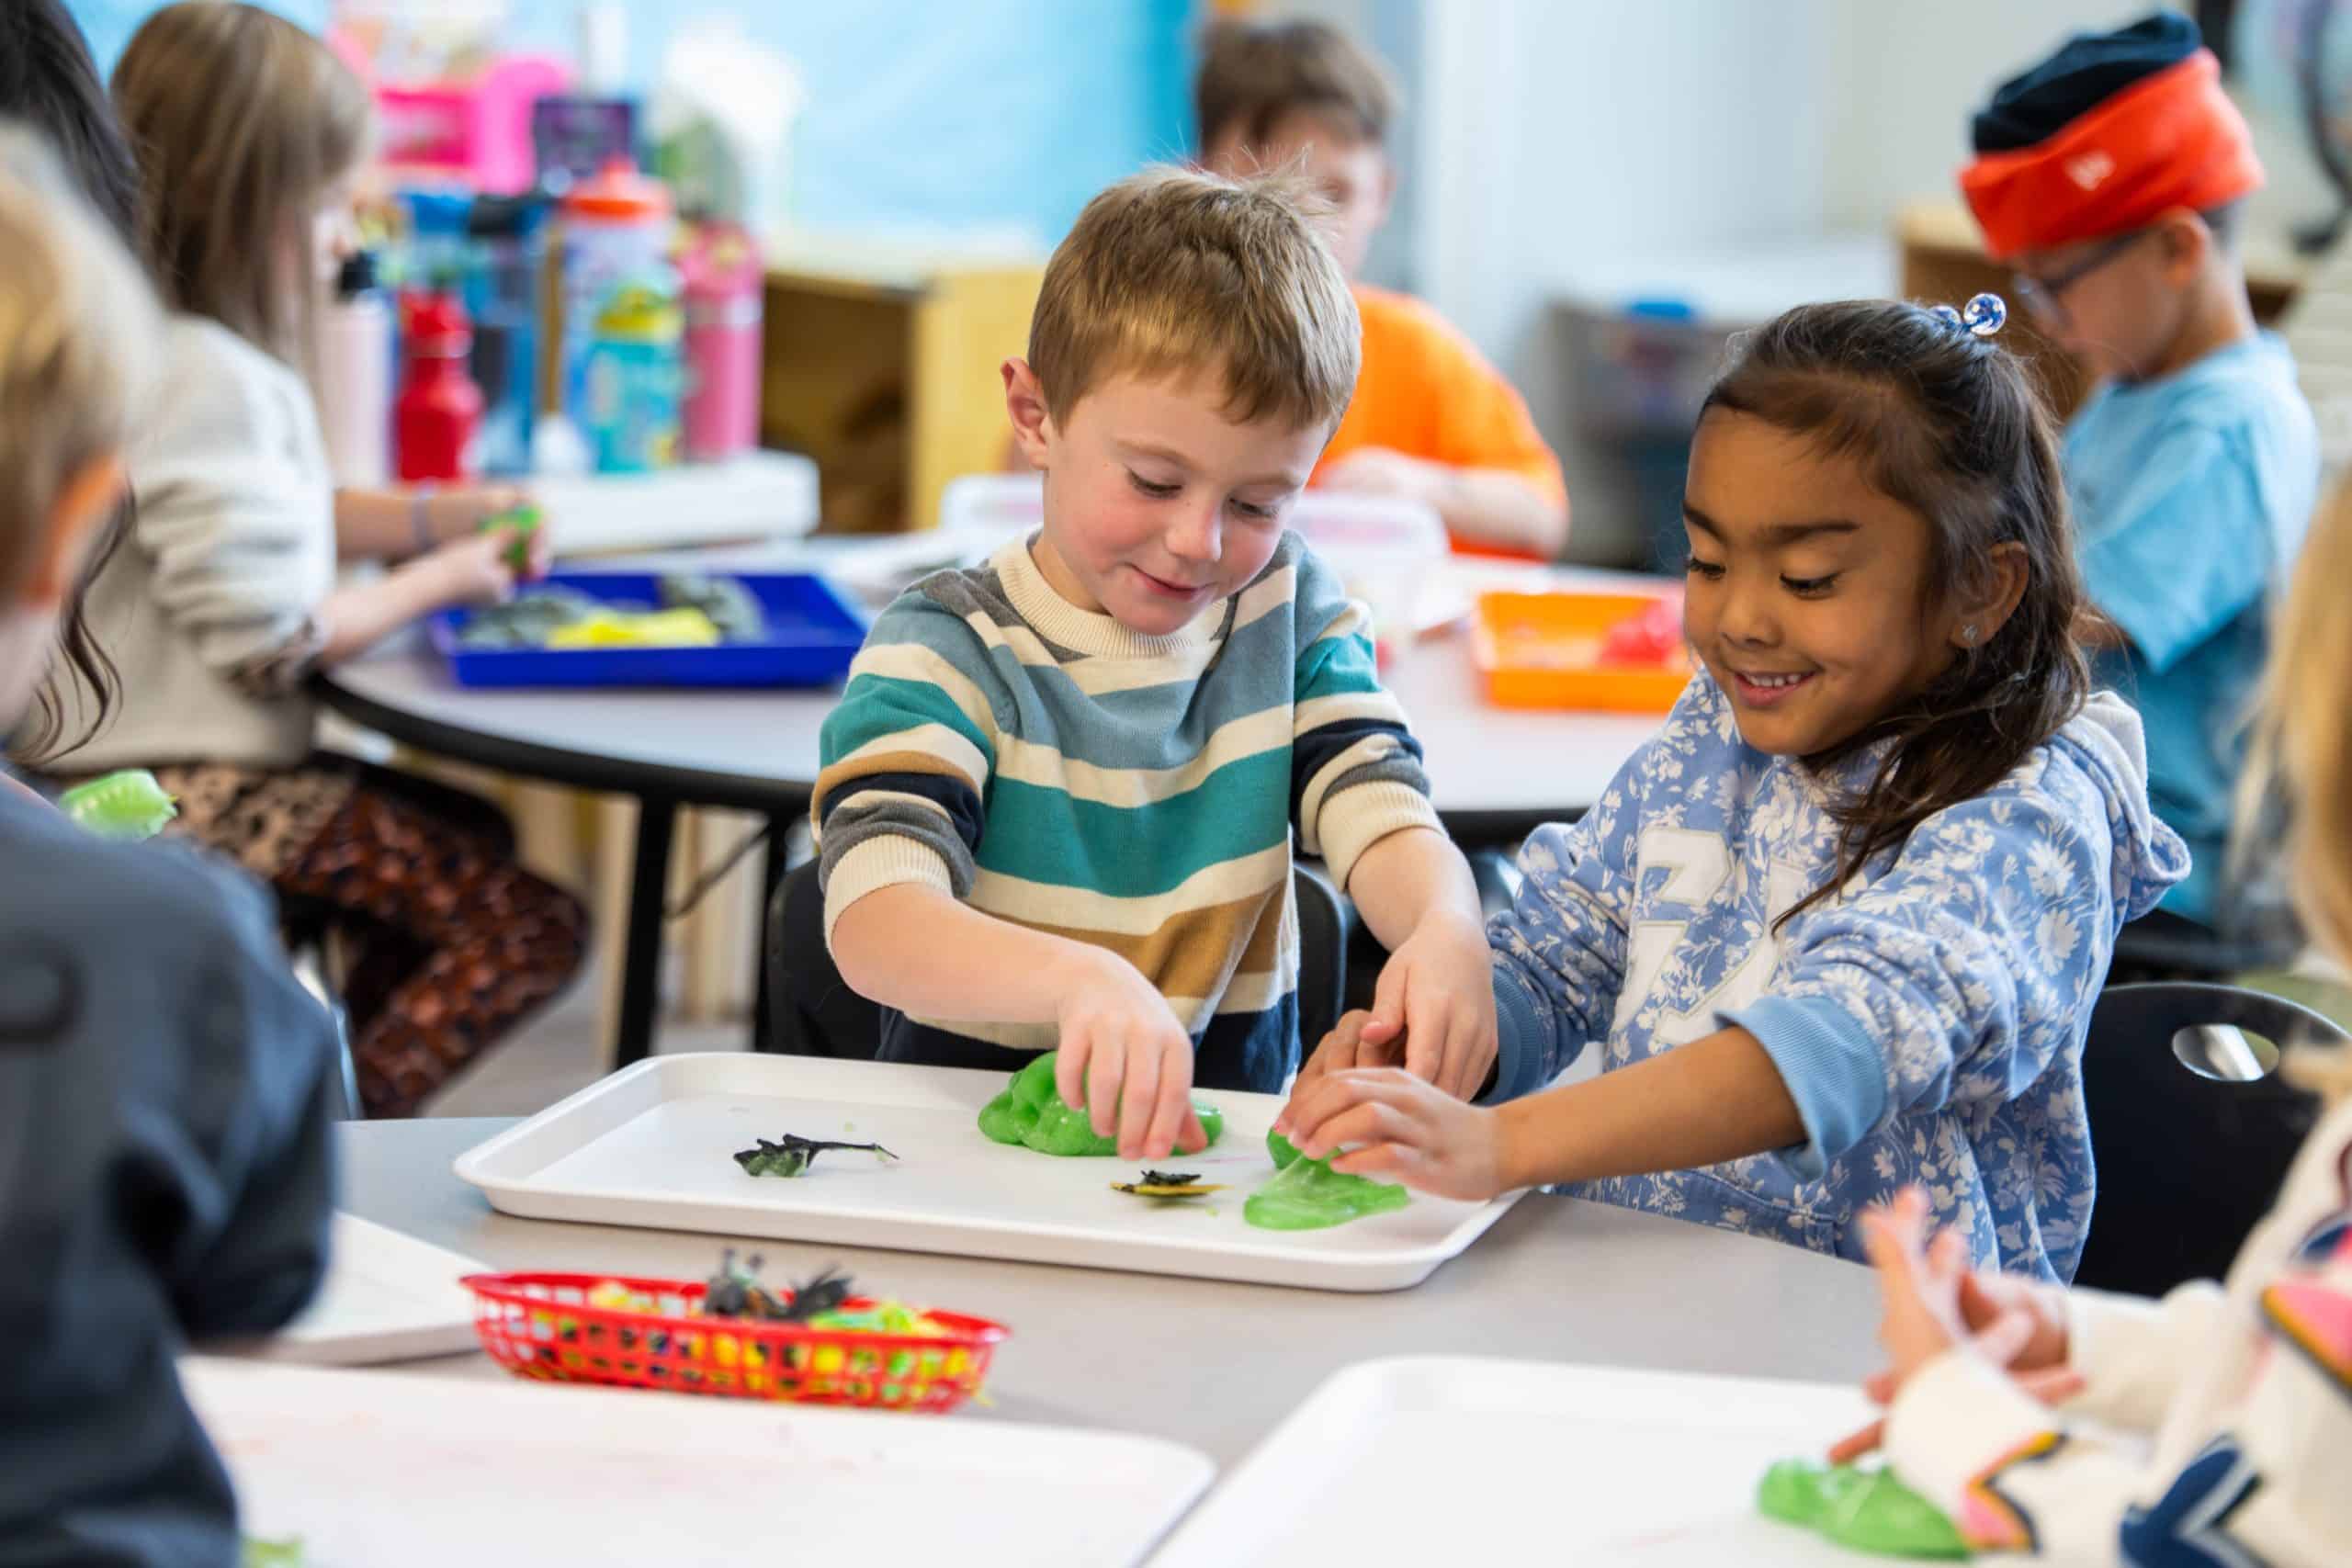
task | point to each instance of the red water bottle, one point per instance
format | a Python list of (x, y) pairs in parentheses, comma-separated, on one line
[(440, 408)]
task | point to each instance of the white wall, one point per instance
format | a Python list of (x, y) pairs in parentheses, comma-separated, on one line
[(1565, 137), (1392, 29), (1908, 74)]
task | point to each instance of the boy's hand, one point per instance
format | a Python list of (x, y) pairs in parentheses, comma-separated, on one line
[(1125, 1055), (1392, 1125), (1437, 993), (1380, 470)]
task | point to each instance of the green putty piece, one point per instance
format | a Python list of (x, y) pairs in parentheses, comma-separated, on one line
[(1032, 1113)]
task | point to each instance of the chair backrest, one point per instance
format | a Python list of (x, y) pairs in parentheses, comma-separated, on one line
[(811, 1010), (814, 1013), (2187, 1164)]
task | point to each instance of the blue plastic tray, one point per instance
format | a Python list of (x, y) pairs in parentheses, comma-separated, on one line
[(812, 635)]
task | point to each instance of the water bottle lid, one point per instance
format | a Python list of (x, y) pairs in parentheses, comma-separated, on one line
[(357, 275), (436, 325), (618, 194), (506, 217)]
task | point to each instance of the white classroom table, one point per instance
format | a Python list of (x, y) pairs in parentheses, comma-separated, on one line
[(1217, 1366), (1494, 774)]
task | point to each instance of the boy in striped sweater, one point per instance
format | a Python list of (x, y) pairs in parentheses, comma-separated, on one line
[(1058, 794)]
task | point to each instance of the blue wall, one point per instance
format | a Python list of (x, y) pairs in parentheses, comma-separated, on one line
[(921, 115)]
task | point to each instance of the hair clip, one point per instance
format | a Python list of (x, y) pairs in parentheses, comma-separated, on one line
[(1982, 317)]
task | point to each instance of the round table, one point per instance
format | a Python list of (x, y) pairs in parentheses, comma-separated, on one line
[(1217, 1366), (1494, 774)]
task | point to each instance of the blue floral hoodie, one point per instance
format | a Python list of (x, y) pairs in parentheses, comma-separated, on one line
[(1928, 1021)]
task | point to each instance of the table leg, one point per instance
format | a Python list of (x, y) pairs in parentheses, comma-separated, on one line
[(649, 890)]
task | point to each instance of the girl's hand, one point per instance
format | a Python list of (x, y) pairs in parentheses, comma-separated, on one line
[(2052, 1385), (1934, 1302), (471, 571), (1391, 1124), (458, 511), (1436, 1002), (1127, 1062)]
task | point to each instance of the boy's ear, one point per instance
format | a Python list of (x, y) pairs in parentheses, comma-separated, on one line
[(2187, 242), (75, 519), (1978, 618), (1025, 404)]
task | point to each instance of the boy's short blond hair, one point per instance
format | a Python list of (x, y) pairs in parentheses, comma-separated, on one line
[(79, 333), (1172, 272), (1253, 73)]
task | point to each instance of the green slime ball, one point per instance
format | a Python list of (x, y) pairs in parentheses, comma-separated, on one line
[(128, 805), (1309, 1195), (1032, 1113), (1863, 1510)]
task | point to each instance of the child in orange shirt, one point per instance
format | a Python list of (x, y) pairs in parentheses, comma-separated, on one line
[(1431, 420)]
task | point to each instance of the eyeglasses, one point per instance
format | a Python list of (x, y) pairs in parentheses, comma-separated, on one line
[(2043, 294)]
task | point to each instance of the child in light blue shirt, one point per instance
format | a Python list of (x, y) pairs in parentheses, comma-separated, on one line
[(2192, 492), (1838, 929), (2111, 176)]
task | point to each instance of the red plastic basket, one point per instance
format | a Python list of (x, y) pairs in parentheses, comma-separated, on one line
[(540, 1326)]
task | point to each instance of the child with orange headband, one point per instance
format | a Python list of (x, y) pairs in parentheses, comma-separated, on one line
[(2109, 176)]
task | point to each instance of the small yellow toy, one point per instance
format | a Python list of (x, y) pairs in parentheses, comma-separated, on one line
[(684, 627)]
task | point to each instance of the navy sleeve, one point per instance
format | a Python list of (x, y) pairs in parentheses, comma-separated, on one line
[(267, 1258)]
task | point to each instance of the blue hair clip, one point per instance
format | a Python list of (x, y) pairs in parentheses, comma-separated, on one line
[(1982, 317)]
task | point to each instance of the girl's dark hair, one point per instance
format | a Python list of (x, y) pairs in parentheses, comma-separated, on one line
[(48, 82), (1950, 426)]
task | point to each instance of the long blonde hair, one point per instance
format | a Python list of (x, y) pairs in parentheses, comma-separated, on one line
[(241, 122), (2303, 752)]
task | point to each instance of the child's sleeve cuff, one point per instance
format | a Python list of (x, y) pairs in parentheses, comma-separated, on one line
[(1832, 1068), (1521, 1034), (1354, 819), (884, 861)]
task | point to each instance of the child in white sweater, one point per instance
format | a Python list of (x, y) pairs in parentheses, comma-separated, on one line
[(2244, 1390), (223, 601)]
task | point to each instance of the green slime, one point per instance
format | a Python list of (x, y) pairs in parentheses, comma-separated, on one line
[(129, 806), (1863, 1510), (1032, 1113), (1309, 1195)]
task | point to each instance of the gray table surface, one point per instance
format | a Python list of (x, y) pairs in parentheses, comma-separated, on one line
[(1482, 760), (1217, 1366)]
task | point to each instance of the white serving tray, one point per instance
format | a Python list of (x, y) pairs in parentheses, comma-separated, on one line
[(650, 1146), (388, 1297), (378, 1471), (1460, 1459)]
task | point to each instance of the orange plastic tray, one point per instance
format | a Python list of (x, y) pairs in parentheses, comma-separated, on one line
[(1542, 650)]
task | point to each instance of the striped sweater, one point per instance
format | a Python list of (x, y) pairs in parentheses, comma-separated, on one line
[(1051, 768)]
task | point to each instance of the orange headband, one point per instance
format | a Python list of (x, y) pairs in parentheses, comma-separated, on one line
[(2173, 140)]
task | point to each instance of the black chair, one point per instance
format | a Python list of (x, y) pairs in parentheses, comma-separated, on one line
[(2191, 1127), (813, 1011), (2162, 947)]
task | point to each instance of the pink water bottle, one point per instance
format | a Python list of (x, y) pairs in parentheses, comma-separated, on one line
[(723, 286)]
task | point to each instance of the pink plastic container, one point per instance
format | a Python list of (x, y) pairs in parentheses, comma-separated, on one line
[(476, 132), (724, 283)]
